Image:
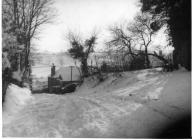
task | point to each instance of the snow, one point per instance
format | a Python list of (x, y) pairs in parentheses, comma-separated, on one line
[(17, 95), (16, 98), (41, 72), (133, 104)]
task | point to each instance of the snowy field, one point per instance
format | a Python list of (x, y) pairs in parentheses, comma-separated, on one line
[(133, 104), (41, 71)]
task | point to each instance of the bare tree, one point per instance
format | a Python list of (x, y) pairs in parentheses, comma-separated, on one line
[(25, 19), (82, 49), (121, 40), (135, 38), (142, 33)]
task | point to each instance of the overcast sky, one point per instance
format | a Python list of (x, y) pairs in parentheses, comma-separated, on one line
[(84, 17)]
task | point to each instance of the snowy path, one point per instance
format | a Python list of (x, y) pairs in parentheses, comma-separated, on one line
[(111, 109)]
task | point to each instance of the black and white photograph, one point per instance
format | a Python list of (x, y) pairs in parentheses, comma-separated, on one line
[(96, 69)]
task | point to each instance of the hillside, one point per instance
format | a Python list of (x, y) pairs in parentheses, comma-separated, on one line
[(62, 58)]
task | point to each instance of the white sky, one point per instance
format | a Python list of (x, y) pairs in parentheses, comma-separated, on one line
[(84, 16)]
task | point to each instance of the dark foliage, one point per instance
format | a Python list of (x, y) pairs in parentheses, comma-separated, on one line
[(177, 14), (81, 50), (69, 88), (6, 79), (137, 63), (77, 50), (104, 67)]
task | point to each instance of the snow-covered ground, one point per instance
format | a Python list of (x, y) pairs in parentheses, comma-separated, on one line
[(130, 104), (41, 71)]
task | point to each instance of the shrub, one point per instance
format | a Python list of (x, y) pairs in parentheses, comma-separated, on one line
[(104, 67), (137, 63)]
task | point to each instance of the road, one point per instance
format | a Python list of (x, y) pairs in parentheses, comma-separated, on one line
[(132, 105)]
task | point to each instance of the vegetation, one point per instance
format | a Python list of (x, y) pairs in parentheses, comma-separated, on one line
[(135, 38), (177, 15), (137, 63), (21, 21), (142, 33), (81, 50)]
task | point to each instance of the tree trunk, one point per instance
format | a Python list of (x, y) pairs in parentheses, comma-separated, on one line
[(27, 66), (147, 62), (175, 59), (84, 68)]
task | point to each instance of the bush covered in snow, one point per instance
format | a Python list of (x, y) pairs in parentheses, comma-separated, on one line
[(16, 97)]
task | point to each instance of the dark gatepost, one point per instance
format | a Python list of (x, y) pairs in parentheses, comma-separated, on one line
[(71, 72)]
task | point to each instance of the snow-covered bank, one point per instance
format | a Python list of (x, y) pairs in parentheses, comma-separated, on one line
[(133, 104), (15, 100)]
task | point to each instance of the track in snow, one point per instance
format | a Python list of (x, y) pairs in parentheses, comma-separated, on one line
[(84, 115)]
